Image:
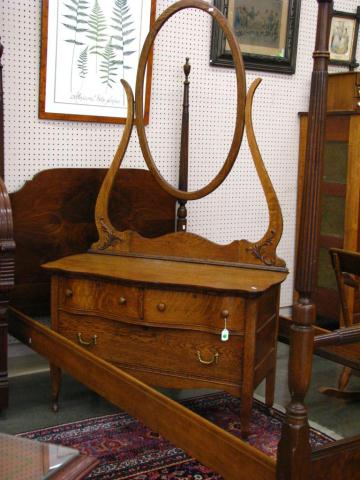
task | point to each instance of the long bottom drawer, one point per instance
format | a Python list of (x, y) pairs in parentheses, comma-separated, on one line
[(190, 353)]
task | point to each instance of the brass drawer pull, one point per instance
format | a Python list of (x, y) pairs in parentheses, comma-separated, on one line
[(161, 307), (68, 293), (122, 301), (215, 358), (93, 341)]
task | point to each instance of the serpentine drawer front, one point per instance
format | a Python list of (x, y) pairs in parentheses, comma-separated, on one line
[(168, 351), (172, 324), (194, 310), (169, 332), (108, 298)]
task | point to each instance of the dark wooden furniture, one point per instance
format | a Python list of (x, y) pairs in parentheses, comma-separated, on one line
[(339, 215), (6, 258), (25, 459), (1, 115), (3, 322), (339, 220), (295, 458), (56, 228), (53, 216), (62, 222), (346, 266), (7, 246)]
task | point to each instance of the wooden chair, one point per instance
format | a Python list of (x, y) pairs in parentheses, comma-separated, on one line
[(346, 265)]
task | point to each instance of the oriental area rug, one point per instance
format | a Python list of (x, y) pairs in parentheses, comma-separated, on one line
[(128, 449)]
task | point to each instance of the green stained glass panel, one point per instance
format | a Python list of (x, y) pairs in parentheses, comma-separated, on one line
[(326, 275), (335, 162), (332, 216)]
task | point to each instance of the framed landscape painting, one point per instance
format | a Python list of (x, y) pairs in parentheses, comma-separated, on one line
[(87, 47), (267, 31)]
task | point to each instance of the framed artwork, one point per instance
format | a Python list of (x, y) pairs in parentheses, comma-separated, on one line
[(343, 38), (87, 47), (267, 31)]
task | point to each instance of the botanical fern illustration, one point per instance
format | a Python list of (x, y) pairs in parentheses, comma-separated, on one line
[(75, 19), (97, 25), (109, 65), (83, 63), (122, 21), (103, 37)]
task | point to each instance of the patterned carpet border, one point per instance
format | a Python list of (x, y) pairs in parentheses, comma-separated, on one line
[(128, 449)]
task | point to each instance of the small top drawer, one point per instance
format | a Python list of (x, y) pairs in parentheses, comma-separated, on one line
[(99, 296), (195, 311)]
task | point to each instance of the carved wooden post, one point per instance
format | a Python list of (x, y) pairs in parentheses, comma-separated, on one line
[(1, 117), (294, 447), (7, 246), (7, 273), (184, 152)]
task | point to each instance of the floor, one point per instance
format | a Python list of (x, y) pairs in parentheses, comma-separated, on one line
[(30, 393)]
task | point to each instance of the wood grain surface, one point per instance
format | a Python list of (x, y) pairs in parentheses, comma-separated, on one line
[(171, 273), (197, 436), (54, 216)]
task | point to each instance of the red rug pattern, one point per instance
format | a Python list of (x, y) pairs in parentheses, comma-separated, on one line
[(128, 449)]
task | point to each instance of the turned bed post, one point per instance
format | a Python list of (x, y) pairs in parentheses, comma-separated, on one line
[(7, 247), (294, 448), (181, 222), (1, 116)]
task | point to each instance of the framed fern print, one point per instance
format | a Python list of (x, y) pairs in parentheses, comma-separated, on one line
[(87, 47)]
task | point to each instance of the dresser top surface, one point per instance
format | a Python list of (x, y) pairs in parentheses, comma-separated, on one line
[(169, 272)]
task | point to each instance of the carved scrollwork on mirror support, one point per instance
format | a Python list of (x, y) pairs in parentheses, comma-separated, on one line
[(185, 245), (111, 236), (108, 236), (265, 249)]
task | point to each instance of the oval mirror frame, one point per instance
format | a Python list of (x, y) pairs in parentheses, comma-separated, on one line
[(240, 103)]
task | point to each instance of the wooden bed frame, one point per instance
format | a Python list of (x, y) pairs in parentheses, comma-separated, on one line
[(50, 234)]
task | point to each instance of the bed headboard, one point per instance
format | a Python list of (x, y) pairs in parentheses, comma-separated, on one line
[(54, 216)]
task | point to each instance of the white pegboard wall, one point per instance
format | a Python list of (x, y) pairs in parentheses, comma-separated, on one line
[(237, 208)]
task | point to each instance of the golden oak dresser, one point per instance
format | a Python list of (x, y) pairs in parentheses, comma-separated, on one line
[(177, 310), (162, 320)]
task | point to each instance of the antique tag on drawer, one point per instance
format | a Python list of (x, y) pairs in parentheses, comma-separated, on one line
[(225, 335)]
